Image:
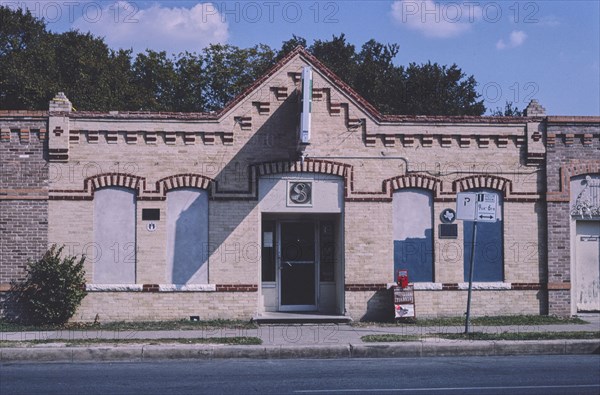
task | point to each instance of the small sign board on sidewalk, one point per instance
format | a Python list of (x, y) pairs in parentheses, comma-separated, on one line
[(404, 302)]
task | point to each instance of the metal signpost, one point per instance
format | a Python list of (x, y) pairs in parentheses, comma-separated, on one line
[(475, 207)]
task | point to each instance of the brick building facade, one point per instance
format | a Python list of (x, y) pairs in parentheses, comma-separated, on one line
[(573, 186), (229, 215)]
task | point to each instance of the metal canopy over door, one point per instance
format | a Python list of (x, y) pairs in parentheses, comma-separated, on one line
[(298, 267), (587, 269)]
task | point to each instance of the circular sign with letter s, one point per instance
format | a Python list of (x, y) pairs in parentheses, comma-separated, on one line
[(300, 193)]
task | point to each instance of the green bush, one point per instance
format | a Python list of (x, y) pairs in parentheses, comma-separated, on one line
[(52, 290)]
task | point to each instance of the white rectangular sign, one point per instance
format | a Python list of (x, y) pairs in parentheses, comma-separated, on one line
[(486, 207), (465, 206), (477, 206)]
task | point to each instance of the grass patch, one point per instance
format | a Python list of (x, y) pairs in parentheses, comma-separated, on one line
[(387, 338), (519, 336), (238, 340), (508, 320), (132, 326)]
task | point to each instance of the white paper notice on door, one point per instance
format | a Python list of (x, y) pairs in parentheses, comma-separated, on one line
[(268, 239)]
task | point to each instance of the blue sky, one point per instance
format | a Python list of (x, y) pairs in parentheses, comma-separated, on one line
[(517, 50)]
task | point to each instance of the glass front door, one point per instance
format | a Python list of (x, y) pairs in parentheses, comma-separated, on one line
[(297, 263)]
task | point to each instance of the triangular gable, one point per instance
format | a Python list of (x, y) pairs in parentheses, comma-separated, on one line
[(319, 67)]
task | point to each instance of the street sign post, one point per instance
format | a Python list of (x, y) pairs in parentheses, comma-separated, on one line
[(475, 207)]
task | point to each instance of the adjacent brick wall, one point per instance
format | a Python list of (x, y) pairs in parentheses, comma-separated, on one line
[(573, 148), (23, 192)]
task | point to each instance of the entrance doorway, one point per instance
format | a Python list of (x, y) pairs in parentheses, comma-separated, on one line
[(301, 263), (298, 266), (587, 266)]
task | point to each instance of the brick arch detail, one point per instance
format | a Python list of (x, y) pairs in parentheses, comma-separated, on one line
[(106, 180), (307, 166), (483, 181), (186, 180), (412, 181), (570, 169)]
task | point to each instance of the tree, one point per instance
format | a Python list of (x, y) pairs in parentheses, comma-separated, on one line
[(26, 61), (289, 45), (190, 83), (229, 70), (377, 79), (431, 89), (35, 64), (338, 55), (154, 77), (509, 111)]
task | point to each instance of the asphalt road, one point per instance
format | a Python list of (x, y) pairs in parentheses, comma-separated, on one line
[(443, 375)]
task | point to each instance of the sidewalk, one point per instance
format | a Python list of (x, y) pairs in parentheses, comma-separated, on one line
[(292, 341)]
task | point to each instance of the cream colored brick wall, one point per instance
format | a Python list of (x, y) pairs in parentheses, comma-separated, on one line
[(368, 305), (454, 303), (71, 223), (524, 250), (146, 306), (151, 246), (234, 239), (369, 250), (235, 242)]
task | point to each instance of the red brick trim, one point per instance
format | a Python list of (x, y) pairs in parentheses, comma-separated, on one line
[(137, 183), (365, 287), (306, 166), (412, 181), (187, 180), (483, 181), (527, 286), (237, 288), (570, 169), (559, 286), (150, 288), (450, 287), (113, 180)]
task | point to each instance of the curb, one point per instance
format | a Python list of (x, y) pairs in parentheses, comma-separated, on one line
[(380, 350)]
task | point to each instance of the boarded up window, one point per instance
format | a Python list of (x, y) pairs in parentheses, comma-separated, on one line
[(187, 236), (489, 246), (413, 233), (114, 236)]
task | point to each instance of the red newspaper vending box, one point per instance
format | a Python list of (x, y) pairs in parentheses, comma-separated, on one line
[(402, 278)]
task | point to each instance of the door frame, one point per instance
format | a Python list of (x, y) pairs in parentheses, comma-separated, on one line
[(575, 286), (279, 267)]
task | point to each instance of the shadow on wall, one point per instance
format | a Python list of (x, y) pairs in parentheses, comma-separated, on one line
[(380, 307), (416, 256)]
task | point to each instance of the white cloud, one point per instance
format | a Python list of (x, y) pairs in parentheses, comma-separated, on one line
[(160, 28), (436, 20), (516, 39)]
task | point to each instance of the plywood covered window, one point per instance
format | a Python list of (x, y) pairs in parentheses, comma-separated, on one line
[(413, 233), (114, 236), (187, 236), (489, 247)]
